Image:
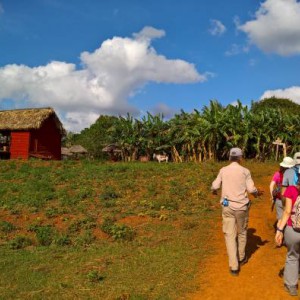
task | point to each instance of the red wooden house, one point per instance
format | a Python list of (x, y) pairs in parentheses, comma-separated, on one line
[(35, 132)]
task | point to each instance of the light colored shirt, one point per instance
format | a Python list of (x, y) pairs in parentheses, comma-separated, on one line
[(236, 181), (290, 177)]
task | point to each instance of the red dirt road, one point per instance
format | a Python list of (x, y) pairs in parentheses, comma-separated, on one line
[(258, 278)]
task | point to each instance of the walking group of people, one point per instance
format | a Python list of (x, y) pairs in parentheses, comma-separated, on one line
[(237, 183)]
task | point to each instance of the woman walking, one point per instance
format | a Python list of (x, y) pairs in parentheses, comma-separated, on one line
[(276, 183), (291, 238)]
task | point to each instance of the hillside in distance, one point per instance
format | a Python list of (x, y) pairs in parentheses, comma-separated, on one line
[(285, 105)]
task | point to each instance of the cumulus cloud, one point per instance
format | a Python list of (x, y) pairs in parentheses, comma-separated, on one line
[(108, 77), (292, 93), (216, 27), (276, 27), (149, 33)]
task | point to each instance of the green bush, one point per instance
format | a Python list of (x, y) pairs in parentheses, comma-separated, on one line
[(44, 235), (62, 240), (94, 276), (122, 232), (86, 238), (164, 203), (7, 227), (118, 231), (107, 224), (84, 193), (109, 193), (20, 242), (51, 212)]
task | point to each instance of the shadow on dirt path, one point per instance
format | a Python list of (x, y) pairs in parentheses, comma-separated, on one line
[(254, 242), (258, 279)]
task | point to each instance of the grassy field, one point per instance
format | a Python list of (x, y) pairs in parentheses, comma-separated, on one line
[(92, 230)]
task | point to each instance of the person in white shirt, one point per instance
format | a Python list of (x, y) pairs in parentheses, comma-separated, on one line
[(235, 181)]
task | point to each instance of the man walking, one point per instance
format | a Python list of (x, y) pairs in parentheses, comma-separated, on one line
[(236, 181)]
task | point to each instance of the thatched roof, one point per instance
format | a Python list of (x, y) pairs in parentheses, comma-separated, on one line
[(65, 151), (26, 119), (111, 148), (77, 149)]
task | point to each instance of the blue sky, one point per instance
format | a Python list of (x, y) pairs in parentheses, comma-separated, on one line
[(92, 57)]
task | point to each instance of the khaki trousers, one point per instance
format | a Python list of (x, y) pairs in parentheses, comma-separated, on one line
[(235, 224)]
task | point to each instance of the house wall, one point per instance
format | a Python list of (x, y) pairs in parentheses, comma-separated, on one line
[(19, 145), (46, 140)]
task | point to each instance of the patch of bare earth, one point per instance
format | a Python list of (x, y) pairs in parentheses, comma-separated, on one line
[(258, 279)]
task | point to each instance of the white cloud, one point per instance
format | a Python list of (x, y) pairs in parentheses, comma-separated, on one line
[(216, 27), (237, 49), (108, 78), (149, 33), (276, 27), (292, 93), (162, 108), (1, 9)]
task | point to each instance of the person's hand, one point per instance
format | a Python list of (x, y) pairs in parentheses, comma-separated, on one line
[(214, 192), (278, 238), (259, 192)]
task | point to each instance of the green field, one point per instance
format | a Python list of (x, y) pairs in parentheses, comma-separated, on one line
[(92, 230)]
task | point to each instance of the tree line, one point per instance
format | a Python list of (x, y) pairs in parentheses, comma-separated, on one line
[(200, 135)]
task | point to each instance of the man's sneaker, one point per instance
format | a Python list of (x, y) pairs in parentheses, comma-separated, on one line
[(291, 289), (234, 272), (243, 261)]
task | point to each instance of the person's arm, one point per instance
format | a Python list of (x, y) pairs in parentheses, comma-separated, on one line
[(216, 183), (282, 222), (250, 185), (272, 186)]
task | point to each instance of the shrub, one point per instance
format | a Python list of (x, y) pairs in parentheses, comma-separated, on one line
[(164, 203), (44, 235), (51, 212), (122, 232), (20, 242), (118, 231), (84, 193), (108, 197), (7, 227), (106, 225), (86, 238), (94, 276), (75, 226), (62, 240), (109, 193)]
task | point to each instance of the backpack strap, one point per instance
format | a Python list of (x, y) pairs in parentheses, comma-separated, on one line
[(296, 175)]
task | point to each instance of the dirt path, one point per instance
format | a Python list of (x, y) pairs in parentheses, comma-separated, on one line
[(259, 278)]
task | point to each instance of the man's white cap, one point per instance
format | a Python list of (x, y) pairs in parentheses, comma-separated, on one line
[(236, 152)]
